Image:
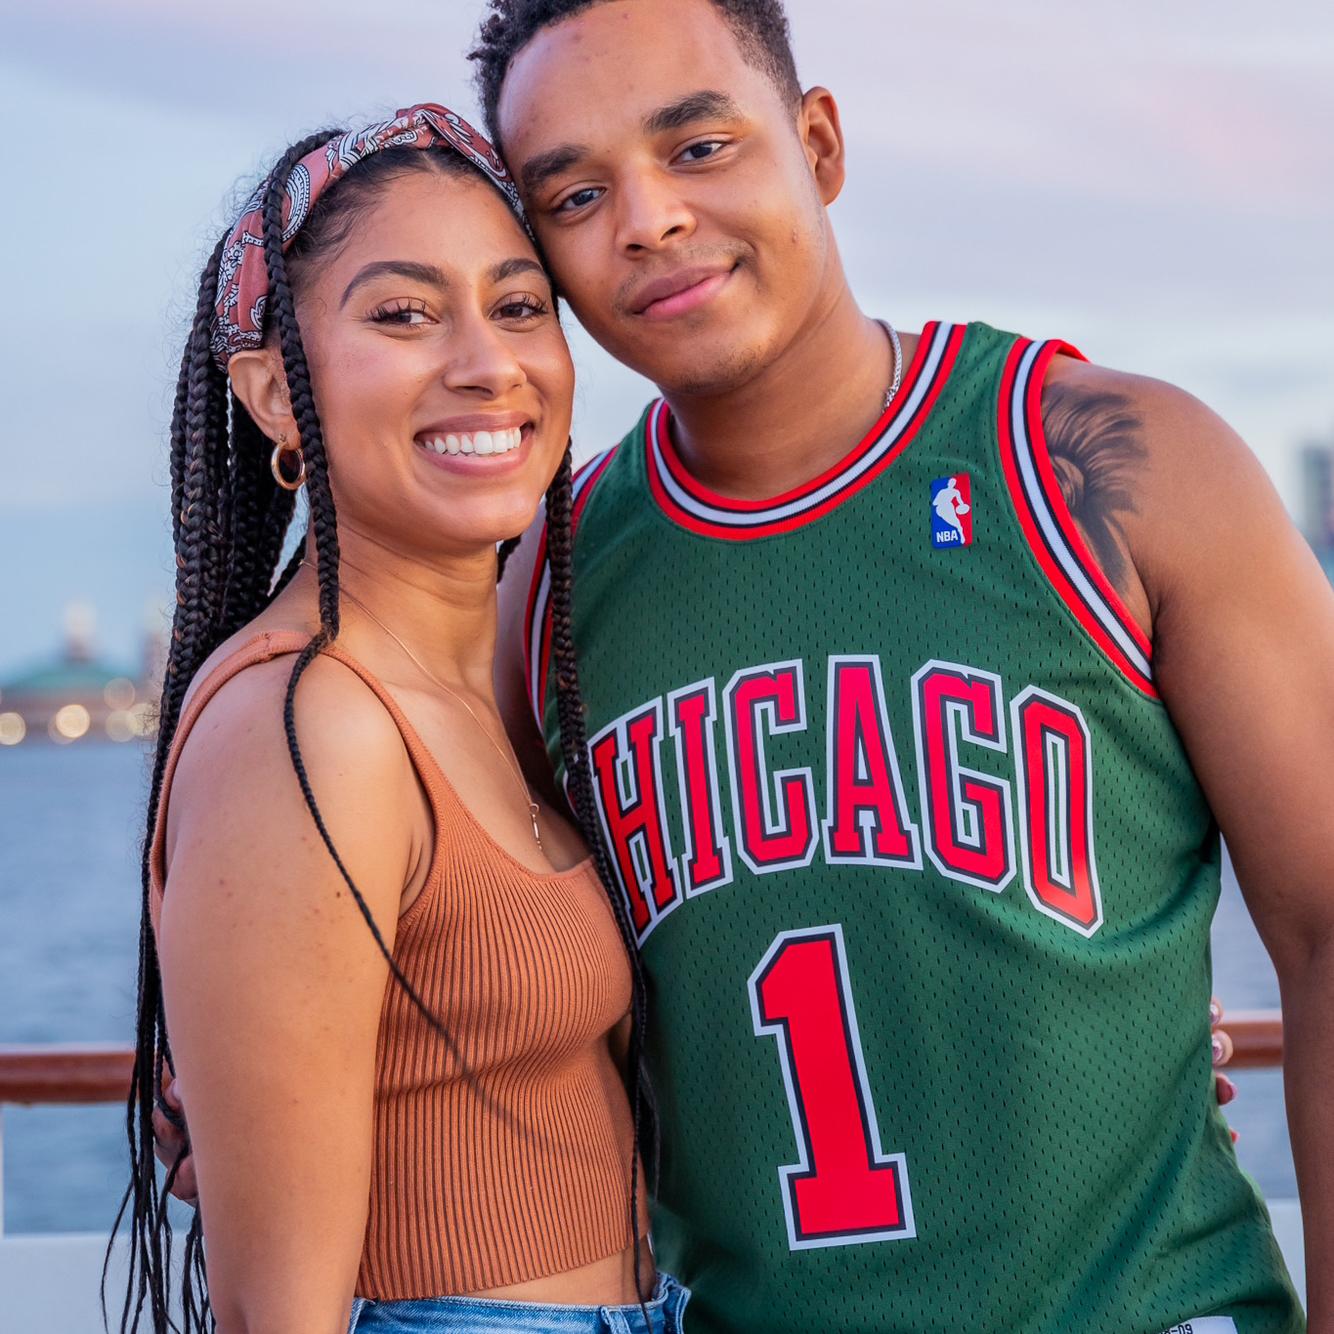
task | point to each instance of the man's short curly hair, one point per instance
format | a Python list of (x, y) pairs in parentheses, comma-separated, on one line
[(760, 26)]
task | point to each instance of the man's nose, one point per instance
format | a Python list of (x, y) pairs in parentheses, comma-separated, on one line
[(651, 214)]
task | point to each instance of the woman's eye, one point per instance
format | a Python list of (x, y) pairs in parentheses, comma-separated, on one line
[(579, 199), (406, 314), (522, 308)]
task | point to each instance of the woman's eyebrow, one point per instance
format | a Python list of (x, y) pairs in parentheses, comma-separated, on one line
[(399, 268), (507, 268)]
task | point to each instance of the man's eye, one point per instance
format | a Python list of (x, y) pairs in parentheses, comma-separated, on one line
[(704, 150), (579, 199)]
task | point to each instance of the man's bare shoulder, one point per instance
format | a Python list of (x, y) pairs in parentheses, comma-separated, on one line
[(1145, 467), (1154, 418)]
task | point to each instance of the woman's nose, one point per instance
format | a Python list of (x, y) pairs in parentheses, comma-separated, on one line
[(482, 361)]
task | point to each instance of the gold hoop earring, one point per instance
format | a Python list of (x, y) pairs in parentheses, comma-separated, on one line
[(276, 465)]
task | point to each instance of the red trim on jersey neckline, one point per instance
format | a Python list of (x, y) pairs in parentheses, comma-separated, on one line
[(694, 507), (1048, 525), (537, 647)]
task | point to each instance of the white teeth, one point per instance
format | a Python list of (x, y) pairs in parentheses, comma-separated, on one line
[(478, 442)]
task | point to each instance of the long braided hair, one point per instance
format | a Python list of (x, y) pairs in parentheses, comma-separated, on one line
[(231, 523)]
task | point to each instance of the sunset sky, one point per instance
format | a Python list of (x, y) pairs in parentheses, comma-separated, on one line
[(1153, 182)]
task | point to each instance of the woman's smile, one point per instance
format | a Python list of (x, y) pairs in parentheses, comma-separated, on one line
[(477, 451)]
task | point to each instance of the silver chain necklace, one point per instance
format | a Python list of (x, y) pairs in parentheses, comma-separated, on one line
[(897, 348)]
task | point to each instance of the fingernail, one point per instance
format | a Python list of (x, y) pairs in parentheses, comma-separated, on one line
[(1217, 1045), (1215, 1012)]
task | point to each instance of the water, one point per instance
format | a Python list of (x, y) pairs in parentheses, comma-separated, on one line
[(70, 824)]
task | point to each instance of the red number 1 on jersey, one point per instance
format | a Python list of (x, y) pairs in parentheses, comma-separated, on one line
[(844, 1189)]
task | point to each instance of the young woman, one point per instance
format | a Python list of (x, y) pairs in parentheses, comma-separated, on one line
[(387, 977)]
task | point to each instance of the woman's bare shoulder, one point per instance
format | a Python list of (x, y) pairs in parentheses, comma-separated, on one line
[(341, 724), (236, 767)]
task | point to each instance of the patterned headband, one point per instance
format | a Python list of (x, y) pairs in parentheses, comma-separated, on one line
[(243, 278)]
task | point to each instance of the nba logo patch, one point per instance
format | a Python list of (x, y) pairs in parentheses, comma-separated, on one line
[(952, 511)]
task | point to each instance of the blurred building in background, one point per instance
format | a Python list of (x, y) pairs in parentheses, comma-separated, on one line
[(1317, 500), (78, 696)]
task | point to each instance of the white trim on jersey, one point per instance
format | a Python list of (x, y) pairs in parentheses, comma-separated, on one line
[(904, 415), (1036, 496)]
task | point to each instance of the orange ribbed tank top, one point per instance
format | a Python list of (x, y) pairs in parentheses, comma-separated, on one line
[(523, 1169)]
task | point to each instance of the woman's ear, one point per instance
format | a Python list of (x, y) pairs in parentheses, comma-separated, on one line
[(259, 381)]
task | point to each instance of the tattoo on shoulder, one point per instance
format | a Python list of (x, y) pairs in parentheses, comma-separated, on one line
[(1096, 447)]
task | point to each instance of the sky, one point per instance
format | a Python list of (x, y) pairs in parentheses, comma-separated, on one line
[(1154, 183)]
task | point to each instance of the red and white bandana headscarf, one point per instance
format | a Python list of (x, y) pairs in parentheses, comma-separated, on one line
[(243, 278)]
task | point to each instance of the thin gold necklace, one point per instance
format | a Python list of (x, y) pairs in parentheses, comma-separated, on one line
[(511, 762)]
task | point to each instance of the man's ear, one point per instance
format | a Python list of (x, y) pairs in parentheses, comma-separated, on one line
[(822, 137), (259, 381)]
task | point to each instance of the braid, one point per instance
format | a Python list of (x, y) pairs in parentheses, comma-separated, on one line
[(230, 524), (579, 786), (310, 434), (205, 513), (198, 423), (258, 521)]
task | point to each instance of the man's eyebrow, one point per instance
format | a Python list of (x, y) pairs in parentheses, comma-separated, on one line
[(537, 171), (703, 105), (706, 104), (399, 268), (507, 268)]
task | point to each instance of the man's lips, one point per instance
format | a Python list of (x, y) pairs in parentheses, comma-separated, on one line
[(680, 292)]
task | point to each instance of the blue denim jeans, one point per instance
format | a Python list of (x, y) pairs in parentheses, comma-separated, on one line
[(481, 1315)]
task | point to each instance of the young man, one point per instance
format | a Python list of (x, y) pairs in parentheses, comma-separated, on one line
[(914, 711)]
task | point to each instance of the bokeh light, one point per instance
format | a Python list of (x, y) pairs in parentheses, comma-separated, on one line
[(119, 694), (120, 726), (70, 723)]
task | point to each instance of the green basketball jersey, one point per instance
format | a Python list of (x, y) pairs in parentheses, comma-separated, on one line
[(923, 880)]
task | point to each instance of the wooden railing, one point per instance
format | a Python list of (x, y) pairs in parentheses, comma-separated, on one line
[(1257, 1038), (65, 1074), (84, 1074), (60, 1074), (88, 1074)]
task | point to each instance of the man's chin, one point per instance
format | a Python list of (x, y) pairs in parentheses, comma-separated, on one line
[(697, 364)]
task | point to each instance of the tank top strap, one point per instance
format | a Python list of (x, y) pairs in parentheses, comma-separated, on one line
[(265, 647)]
